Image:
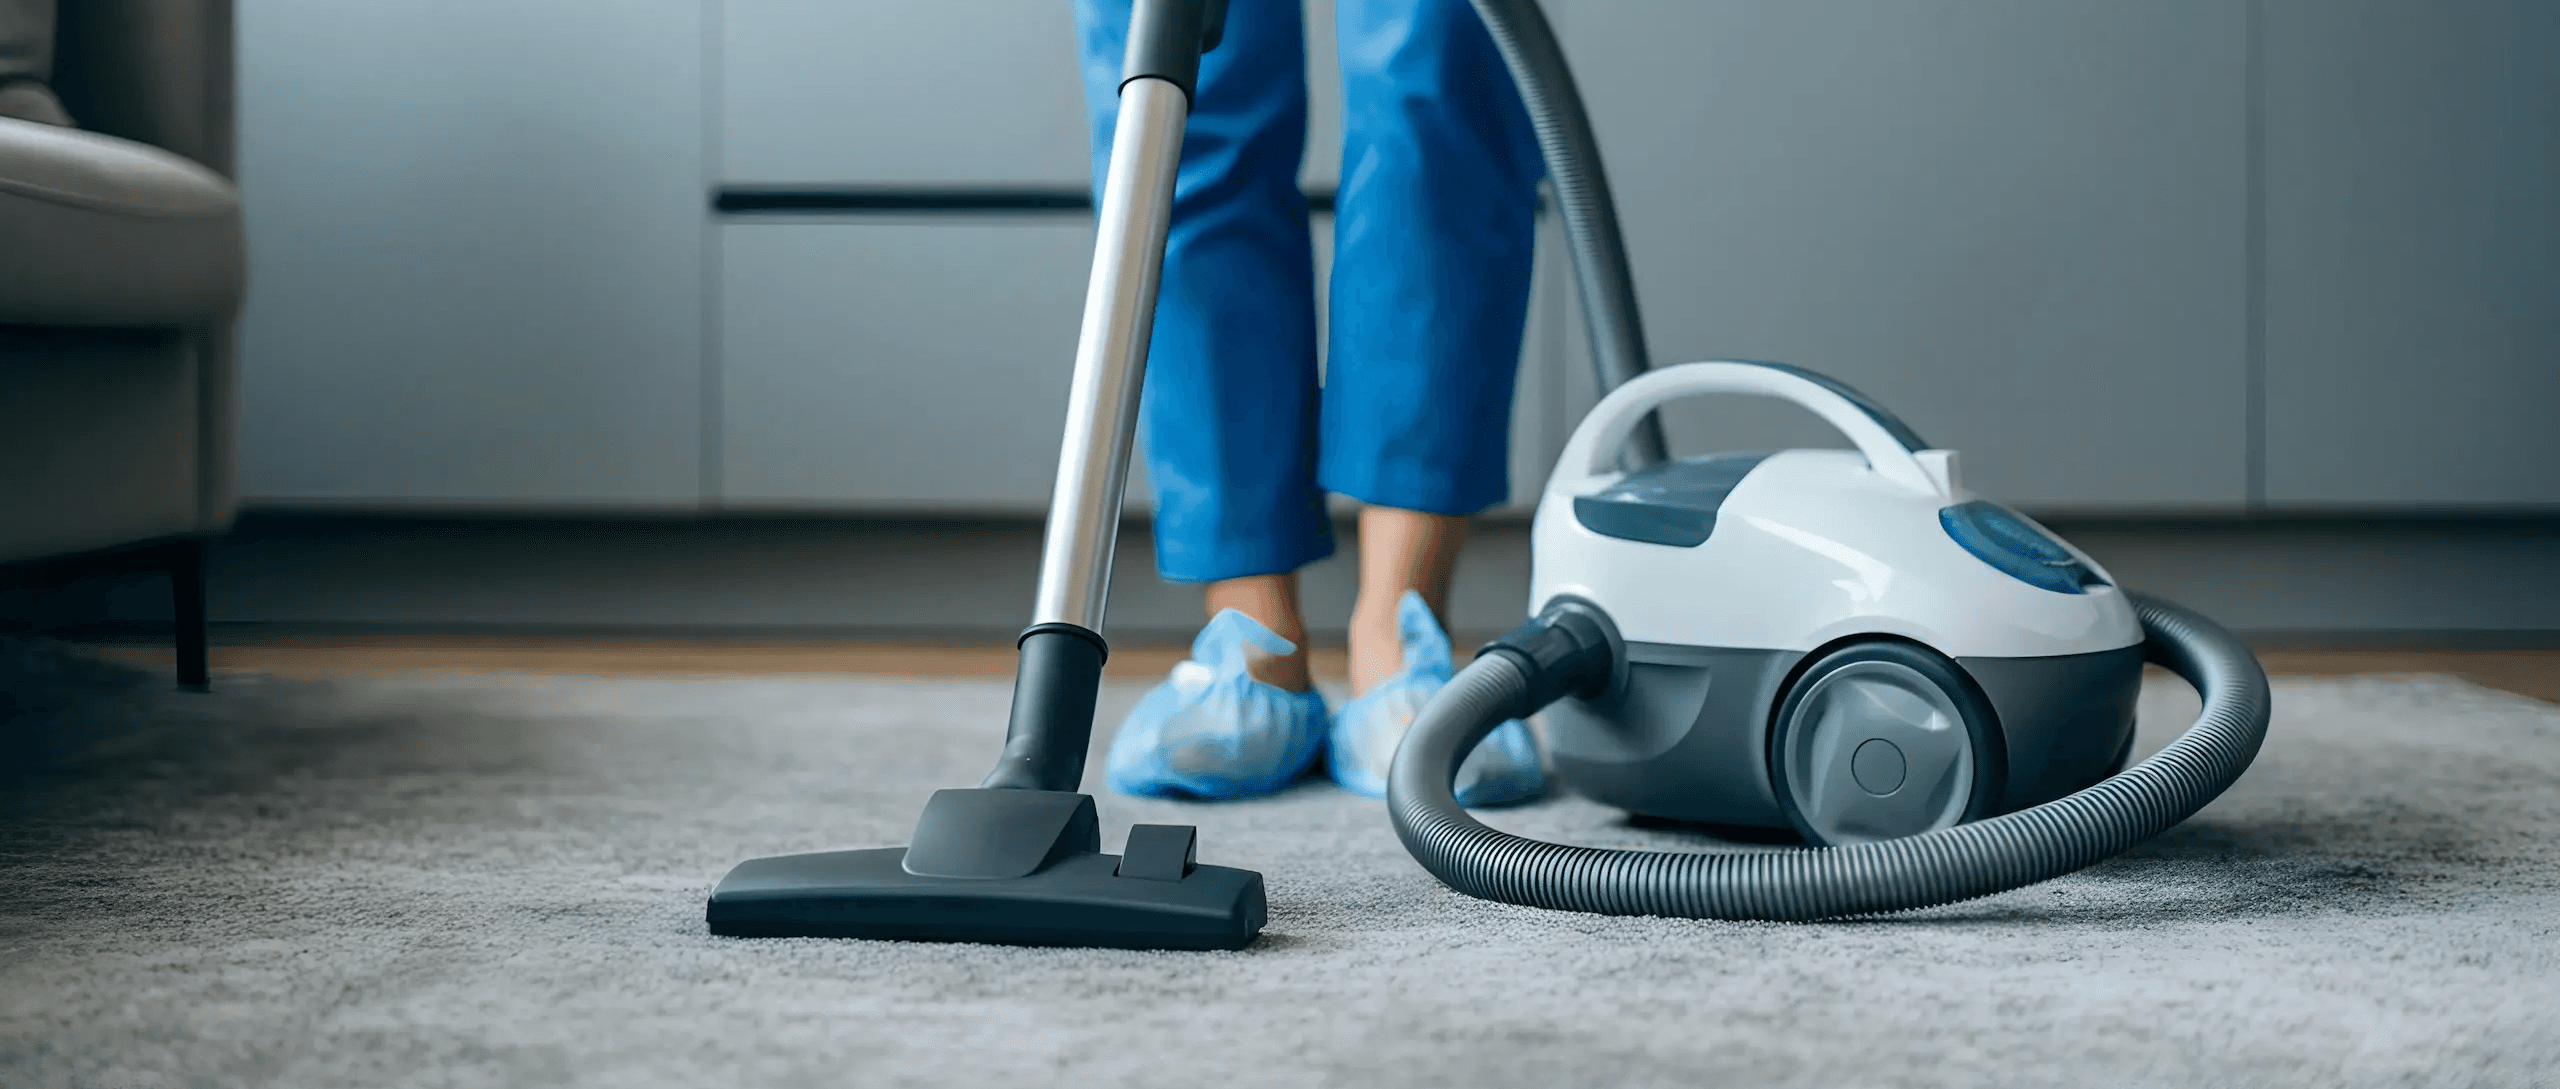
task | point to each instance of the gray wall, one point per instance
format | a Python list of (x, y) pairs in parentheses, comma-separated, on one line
[(2184, 256), (2412, 253), (2021, 225)]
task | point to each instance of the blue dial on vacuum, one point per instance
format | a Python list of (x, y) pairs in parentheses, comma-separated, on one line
[(1997, 536)]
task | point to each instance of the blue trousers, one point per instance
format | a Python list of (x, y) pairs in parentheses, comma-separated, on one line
[(1433, 231)]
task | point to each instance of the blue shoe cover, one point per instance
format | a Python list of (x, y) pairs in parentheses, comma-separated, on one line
[(1211, 730), (1502, 771)]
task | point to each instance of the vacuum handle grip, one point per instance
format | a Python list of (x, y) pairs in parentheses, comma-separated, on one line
[(1891, 448), (1166, 38)]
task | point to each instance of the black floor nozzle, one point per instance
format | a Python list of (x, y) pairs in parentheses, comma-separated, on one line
[(1015, 861), (1054, 684), (1010, 867)]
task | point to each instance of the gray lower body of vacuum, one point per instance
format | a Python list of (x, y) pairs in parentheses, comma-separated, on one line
[(1685, 734)]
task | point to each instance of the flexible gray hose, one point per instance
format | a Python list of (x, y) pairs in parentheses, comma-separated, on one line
[(1609, 313), (1942, 867)]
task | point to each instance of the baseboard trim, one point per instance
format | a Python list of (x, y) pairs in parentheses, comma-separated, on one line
[(2325, 581)]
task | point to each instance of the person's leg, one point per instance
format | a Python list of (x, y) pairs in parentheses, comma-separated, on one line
[(1400, 551), (1228, 411), (1433, 240), (1432, 249), (1231, 387)]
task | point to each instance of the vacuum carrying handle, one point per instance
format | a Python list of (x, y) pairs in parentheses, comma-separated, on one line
[(1062, 652), (1891, 447)]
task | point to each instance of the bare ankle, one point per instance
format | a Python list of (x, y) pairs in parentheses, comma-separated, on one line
[(1400, 551), (1283, 671), (1375, 652), (1272, 601)]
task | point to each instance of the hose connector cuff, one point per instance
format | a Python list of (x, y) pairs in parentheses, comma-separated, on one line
[(1569, 649)]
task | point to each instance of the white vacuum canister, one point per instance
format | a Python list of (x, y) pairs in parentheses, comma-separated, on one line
[(1843, 642)]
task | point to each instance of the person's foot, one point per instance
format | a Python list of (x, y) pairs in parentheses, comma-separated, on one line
[(1211, 730), (1362, 744)]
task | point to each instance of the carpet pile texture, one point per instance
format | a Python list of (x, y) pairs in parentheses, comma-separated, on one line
[(500, 880)]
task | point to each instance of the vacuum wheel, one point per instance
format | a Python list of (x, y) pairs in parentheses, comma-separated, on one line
[(1880, 740)]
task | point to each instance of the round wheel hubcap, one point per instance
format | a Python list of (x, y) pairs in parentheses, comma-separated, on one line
[(1877, 751)]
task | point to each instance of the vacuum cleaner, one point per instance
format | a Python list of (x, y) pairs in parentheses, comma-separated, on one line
[(1929, 688), (1018, 859), (1932, 691)]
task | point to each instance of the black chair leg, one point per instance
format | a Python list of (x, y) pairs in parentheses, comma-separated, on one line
[(186, 598)]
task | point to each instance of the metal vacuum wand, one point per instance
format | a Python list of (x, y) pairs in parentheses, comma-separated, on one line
[(1111, 355), (1019, 859), (1063, 650)]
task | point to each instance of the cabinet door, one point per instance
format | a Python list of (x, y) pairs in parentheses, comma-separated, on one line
[(890, 92), (2020, 225), (2413, 254), (950, 94), (476, 245), (920, 363), (897, 363)]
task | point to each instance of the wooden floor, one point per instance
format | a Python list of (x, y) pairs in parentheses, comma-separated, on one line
[(335, 656), (2534, 673)]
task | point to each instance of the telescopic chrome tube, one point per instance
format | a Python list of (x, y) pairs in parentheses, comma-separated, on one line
[(1111, 355)]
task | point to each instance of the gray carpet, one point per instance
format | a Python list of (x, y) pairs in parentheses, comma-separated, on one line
[(499, 881)]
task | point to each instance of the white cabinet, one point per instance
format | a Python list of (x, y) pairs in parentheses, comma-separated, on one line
[(2412, 254), (920, 363), (2062, 236), (475, 255), (911, 364), (961, 94), (2020, 225), (895, 93)]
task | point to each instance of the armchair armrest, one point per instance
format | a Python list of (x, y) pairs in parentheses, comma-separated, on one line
[(154, 71)]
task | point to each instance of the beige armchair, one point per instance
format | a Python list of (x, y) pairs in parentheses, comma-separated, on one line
[(122, 266)]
